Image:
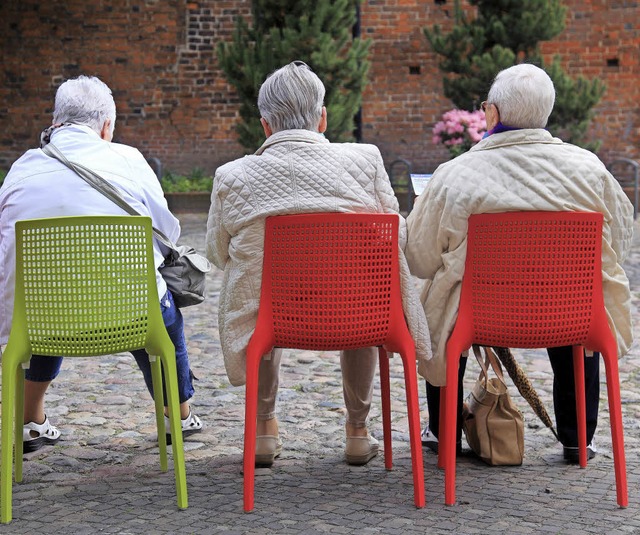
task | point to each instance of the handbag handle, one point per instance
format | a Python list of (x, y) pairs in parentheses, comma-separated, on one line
[(108, 190), (490, 361)]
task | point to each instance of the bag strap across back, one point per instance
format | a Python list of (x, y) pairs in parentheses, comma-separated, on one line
[(100, 184)]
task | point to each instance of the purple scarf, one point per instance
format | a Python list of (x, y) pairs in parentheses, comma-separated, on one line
[(497, 129)]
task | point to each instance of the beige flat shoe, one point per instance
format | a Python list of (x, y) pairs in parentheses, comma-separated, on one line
[(360, 450), (268, 447)]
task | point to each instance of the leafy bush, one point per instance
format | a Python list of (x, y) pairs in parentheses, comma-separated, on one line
[(195, 181), (318, 32), (171, 183)]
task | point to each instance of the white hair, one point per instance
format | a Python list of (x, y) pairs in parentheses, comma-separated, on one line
[(85, 100), (524, 95), (292, 98)]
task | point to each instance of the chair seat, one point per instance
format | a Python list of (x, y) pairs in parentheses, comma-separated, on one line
[(331, 281), (76, 296), (534, 280)]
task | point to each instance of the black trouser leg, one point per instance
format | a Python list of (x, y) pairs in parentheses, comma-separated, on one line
[(433, 403), (564, 397)]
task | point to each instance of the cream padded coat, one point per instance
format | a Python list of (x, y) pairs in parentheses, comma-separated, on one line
[(518, 170), (295, 171)]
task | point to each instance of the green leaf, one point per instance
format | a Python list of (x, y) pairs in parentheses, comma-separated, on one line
[(502, 33), (318, 32), (197, 180)]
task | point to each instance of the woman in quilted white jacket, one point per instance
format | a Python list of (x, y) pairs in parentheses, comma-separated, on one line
[(518, 166), (296, 170)]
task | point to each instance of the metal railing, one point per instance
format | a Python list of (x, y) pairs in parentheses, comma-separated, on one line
[(156, 165), (394, 182)]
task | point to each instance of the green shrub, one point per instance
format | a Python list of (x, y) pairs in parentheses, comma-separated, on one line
[(195, 181), (171, 183)]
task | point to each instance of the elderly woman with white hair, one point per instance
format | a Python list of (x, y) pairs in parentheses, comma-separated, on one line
[(38, 186), (518, 166), (296, 170)]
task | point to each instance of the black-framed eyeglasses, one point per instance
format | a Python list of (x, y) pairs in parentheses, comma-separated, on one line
[(486, 104)]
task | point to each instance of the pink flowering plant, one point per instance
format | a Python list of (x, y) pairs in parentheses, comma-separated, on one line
[(459, 130)]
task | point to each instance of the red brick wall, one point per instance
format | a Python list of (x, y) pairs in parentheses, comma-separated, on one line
[(174, 103), (602, 40), (157, 56)]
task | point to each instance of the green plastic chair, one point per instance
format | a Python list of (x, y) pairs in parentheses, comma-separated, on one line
[(86, 286)]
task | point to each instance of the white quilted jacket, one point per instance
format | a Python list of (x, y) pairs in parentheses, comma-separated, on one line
[(513, 171), (295, 171)]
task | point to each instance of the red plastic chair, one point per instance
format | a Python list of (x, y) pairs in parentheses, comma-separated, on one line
[(534, 280), (331, 281)]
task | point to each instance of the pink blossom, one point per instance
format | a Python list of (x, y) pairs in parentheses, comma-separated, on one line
[(458, 130)]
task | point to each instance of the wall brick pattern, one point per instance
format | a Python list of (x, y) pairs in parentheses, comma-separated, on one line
[(173, 102)]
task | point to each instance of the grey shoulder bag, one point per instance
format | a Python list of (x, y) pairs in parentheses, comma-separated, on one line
[(183, 270)]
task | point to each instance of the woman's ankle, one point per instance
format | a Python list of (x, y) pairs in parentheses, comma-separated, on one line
[(267, 427), (355, 431), (185, 410)]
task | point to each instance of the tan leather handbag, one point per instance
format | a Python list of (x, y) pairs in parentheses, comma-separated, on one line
[(492, 424)]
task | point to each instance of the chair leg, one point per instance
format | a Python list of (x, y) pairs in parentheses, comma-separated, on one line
[(156, 380), (386, 407), (250, 424), (173, 402), (617, 430), (581, 408), (413, 413), (18, 424), (448, 425), (8, 410), (442, 450)]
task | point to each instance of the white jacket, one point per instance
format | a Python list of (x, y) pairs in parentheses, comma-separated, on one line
[(295, 171), (513, 171), (40, 186)]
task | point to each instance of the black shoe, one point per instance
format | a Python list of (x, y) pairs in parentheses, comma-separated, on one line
[(190, 425), (572, 455), (430, 441)]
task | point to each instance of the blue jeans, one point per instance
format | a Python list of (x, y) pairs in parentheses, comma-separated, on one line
[(43, 369)]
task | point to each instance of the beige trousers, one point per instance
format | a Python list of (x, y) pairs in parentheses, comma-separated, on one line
[(358, 369)]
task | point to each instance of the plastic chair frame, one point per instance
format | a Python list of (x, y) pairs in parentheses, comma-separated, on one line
[(598, 338), (156, 340), (398, 339)]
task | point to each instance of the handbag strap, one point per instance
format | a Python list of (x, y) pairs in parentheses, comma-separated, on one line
[(100, 184), (490, 360)]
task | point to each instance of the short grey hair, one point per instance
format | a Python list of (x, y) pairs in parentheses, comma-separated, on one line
[(292, 98), (85, 100), (524, 95)]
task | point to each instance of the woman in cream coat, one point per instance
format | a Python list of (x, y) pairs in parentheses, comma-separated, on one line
[(296, 170), (518, 166)]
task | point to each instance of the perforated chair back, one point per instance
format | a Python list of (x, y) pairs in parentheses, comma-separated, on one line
[(86, 286), (534, 280), (331, 281)]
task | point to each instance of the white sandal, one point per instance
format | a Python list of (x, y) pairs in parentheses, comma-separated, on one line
[(34, 435), (190, 425)]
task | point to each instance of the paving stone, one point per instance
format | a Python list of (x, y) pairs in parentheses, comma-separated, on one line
[(104, 475)]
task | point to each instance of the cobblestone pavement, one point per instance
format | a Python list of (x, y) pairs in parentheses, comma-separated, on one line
[(104, 477)]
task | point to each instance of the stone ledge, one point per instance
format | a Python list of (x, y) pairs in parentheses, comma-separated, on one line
[(188, 201)]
